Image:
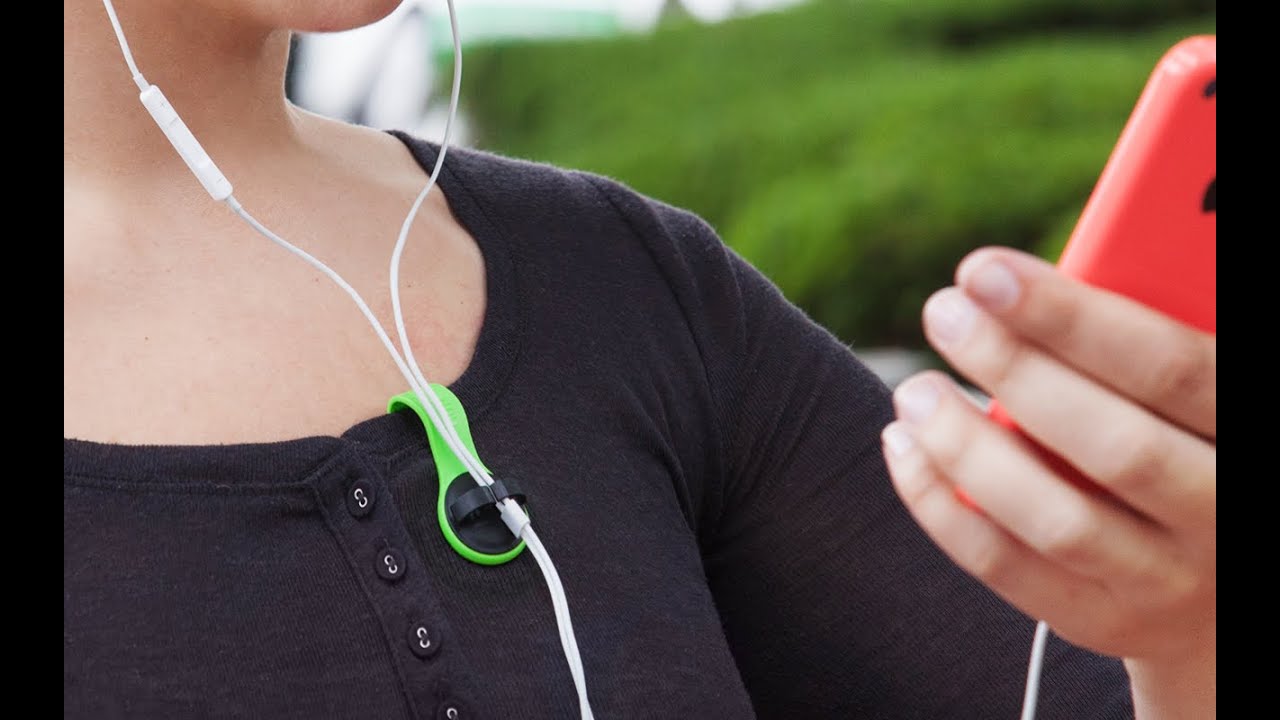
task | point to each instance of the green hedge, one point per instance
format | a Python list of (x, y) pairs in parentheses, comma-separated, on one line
[(852, 150)]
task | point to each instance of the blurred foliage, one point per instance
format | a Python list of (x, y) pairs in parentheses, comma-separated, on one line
[(853, 150)]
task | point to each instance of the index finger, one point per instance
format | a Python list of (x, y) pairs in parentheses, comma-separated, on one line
[(1165, 365)]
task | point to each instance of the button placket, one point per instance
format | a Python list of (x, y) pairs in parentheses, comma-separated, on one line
[(376, 541)]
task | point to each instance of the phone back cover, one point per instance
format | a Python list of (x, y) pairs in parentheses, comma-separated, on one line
[(1149, 230)]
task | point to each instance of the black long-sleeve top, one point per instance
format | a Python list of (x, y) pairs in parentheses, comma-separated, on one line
[(701, 460)]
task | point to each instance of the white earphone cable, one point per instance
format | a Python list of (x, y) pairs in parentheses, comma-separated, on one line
[(1033, 670), (124, 46), (513, 516)]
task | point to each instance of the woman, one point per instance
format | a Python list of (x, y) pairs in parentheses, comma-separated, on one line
[(249, 534)]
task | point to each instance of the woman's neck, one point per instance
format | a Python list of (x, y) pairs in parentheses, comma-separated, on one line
[(224, 78)]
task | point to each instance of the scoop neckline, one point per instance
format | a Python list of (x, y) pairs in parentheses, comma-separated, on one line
[(480, 385)]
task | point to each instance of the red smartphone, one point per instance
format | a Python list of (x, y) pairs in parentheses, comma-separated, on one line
[(1149, 229)]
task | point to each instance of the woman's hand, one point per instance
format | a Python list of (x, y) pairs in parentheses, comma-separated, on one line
[(1125, 395)]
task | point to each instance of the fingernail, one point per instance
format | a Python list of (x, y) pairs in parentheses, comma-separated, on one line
[(993, 285), (897, 439), (916, 398), (949, 314)]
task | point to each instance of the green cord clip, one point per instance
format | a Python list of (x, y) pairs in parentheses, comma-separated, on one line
[(486, 539)]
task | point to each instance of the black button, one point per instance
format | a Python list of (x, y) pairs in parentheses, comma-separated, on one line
[(449, 711), (423, 641), (390, 564), (360, 497)]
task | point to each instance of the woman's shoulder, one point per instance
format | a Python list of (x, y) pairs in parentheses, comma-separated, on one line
[(552, 195)]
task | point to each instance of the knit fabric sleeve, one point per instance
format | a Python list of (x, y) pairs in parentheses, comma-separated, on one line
[(834, 601)]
